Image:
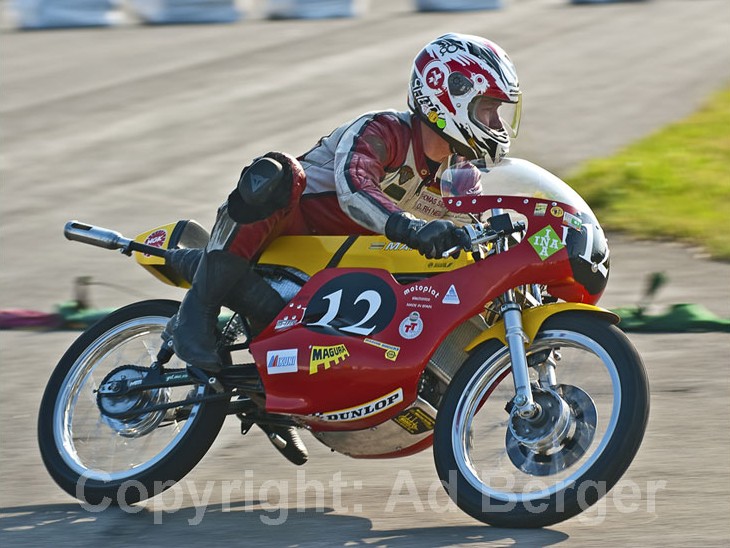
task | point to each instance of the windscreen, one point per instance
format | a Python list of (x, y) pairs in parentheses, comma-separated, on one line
[(510, 177)]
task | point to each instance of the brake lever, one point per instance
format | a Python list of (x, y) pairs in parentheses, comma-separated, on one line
[(470, 233), (478, 233)]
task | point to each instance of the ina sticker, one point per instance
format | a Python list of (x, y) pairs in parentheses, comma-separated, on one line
[(411, 327), (546, 242)]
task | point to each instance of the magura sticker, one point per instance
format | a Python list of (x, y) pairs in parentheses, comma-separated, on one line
[(546, 242), (572, 221), (540, 209), (411, 327), (415, 421), (351, 304), (365, 410), (281, 361), (326, 356), (391, 351), (451, 297)]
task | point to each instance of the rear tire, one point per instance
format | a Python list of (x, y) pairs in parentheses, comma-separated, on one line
[(534, 497), (102, 461)]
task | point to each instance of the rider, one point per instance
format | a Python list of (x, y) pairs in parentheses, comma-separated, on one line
[(374, 174)]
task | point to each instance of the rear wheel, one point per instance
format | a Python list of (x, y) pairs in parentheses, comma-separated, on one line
[(512, 472), (99, 459)]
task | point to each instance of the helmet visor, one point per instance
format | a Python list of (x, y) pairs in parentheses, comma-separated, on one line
[(494, 115)]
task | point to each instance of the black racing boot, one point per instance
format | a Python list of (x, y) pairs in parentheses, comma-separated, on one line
[(255, 300), (251, 297), (194, 331), (288, 442)]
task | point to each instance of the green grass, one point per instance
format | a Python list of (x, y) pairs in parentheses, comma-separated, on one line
[(674, 184)]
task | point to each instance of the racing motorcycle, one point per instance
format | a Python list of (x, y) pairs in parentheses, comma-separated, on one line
[(534, 402)]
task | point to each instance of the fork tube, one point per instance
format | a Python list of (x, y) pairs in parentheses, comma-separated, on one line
[(516, 338)]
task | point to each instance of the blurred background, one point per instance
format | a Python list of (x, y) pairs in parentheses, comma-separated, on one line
[(134, 114)]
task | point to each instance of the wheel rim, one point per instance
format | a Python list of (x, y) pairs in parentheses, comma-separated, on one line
[(106, 450), (480, 420)]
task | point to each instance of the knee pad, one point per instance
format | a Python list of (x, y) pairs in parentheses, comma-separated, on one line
[(265, 187), (265, 183)]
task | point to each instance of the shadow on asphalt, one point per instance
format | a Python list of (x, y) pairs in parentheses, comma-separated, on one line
[(237, 522)]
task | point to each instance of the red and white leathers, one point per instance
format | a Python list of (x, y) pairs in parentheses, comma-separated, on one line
[(351, 182)]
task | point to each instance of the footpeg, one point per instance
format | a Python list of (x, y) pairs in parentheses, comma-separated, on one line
[(203, 377)]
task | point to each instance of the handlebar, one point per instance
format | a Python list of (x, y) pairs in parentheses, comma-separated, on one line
[(470, 236)]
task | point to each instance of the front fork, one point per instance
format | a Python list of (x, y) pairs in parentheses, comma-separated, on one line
[(516, 340)]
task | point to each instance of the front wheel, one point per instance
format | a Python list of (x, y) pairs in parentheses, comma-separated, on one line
[(509, 471), (103, 460)]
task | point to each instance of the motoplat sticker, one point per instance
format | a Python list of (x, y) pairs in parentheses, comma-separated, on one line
[(546, 242)]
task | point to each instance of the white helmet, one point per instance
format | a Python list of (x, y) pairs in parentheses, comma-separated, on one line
[(466, 89)]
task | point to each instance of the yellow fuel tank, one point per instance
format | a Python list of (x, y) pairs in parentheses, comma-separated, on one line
[(310, 254)]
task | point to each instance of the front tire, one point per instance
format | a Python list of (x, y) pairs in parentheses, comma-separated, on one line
[(111, 461), (485, 456)]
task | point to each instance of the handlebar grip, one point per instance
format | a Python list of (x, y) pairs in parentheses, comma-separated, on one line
[(464, 243), (95, 235)]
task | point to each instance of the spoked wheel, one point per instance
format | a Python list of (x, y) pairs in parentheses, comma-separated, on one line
[(97, 458), (510, 471)]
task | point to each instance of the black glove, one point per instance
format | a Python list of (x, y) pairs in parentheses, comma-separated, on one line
[(436, 237), (402, 227), (430, 239)]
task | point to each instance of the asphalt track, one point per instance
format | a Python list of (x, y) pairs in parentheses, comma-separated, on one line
[(135, 126)]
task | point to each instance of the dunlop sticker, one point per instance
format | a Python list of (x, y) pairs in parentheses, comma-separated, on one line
[(327, 356), (365, 410)]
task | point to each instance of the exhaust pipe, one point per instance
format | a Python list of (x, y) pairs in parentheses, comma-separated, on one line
[(108, 239)]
